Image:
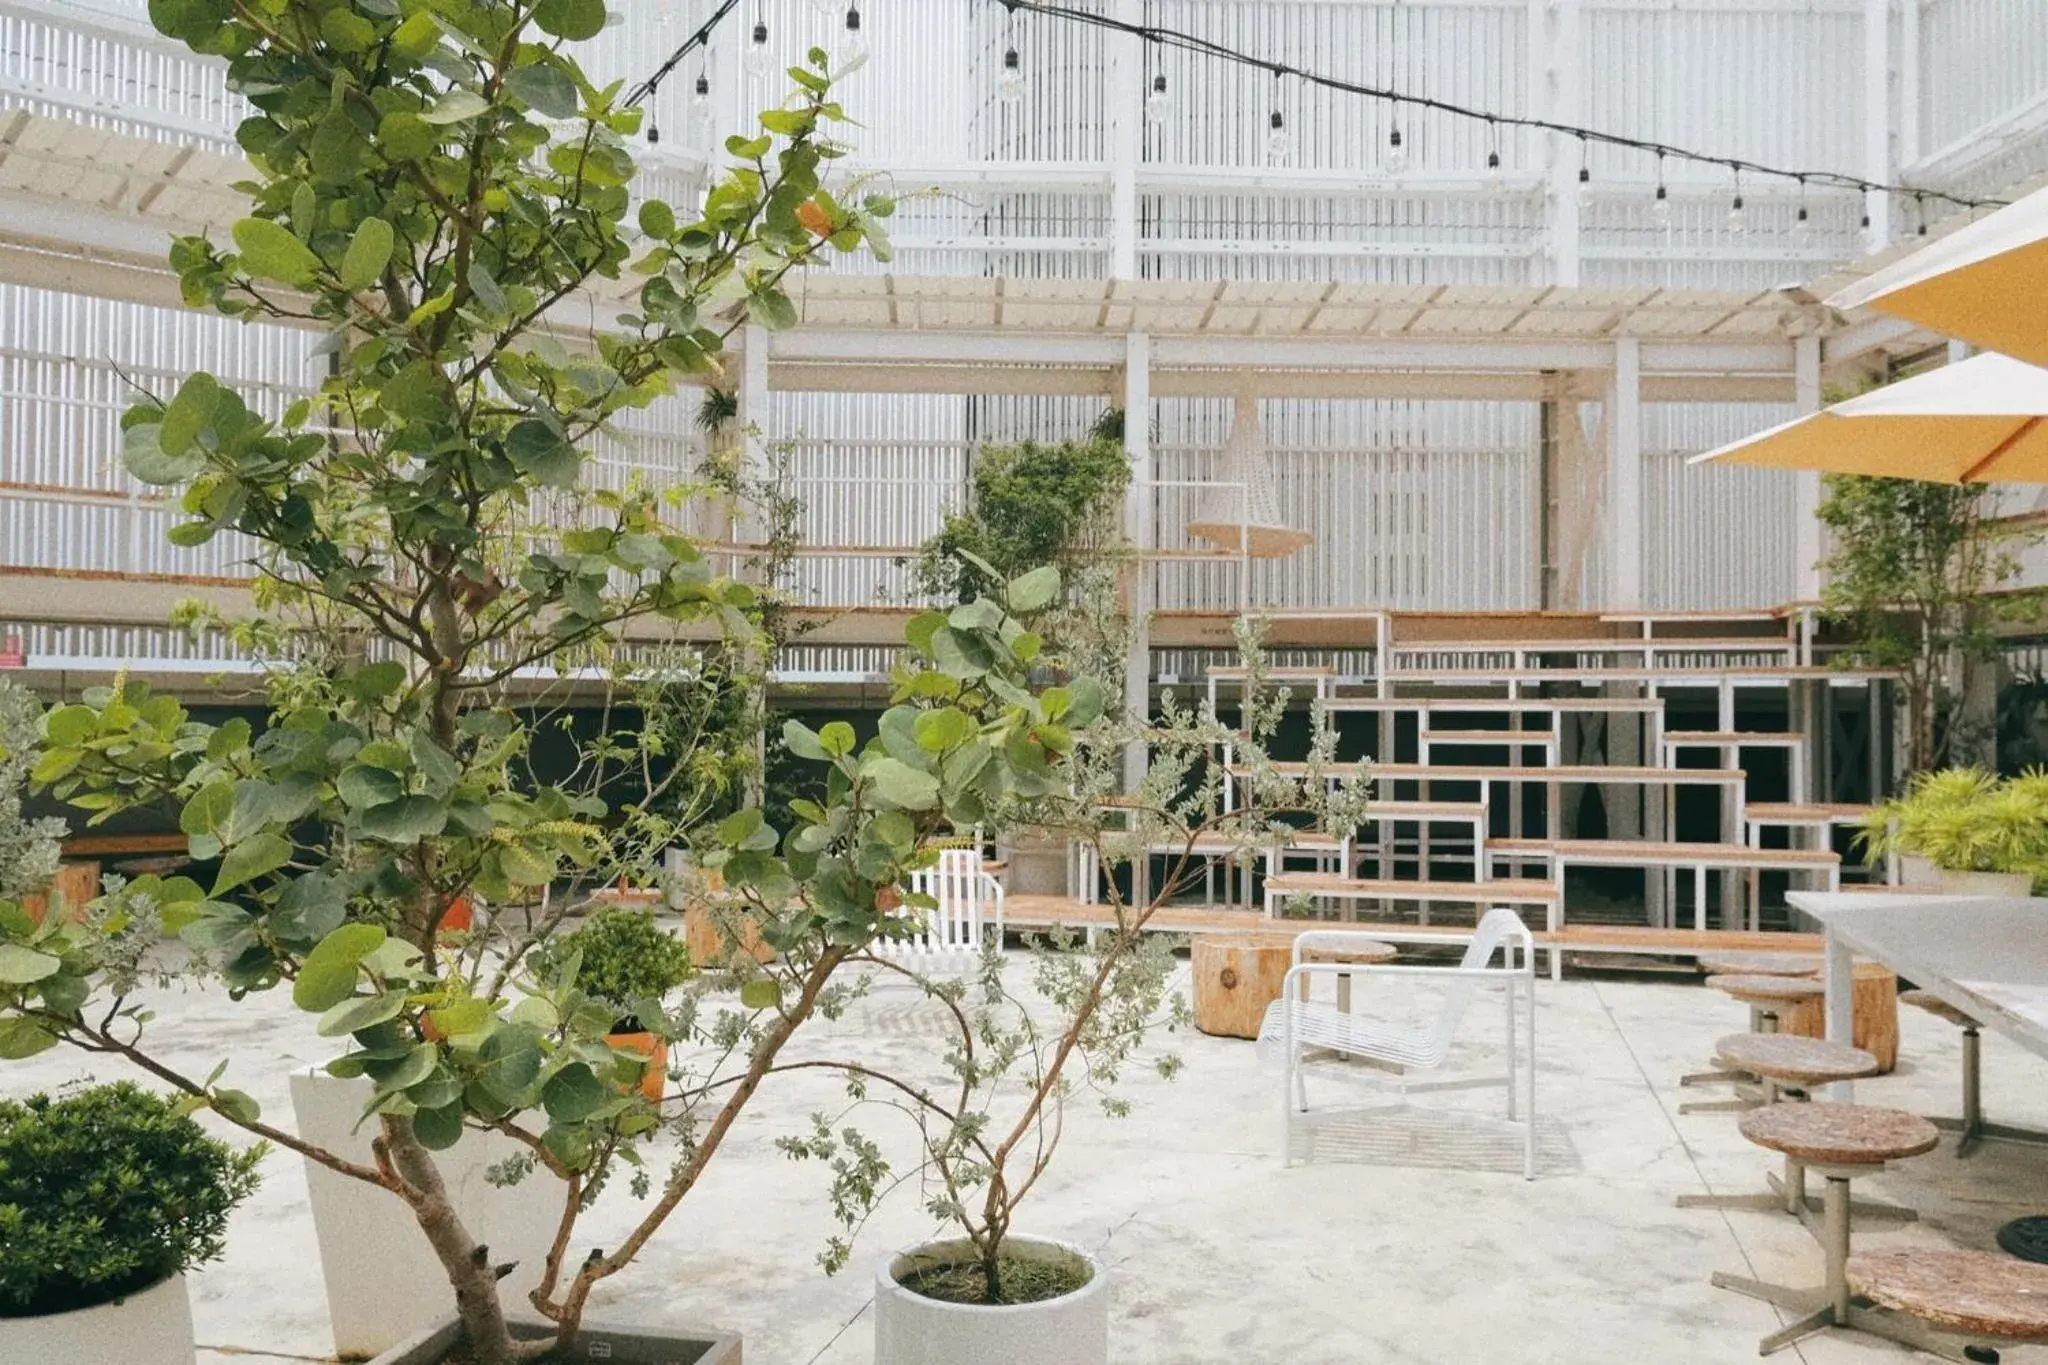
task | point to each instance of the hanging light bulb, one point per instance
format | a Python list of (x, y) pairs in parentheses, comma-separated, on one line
[(757, 59), (1011, 85), (1493, 169), (1279, 143), (855, 47), (700, 101), (1397, 154), (1920, 205), (1738, 216), (1660, 207), (1156, 102), (1802, 230), (1585, 183)]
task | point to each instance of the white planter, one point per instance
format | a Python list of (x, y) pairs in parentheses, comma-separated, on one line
[(383, 1281), (1916, 871), (913, 1330), (153, 1327), (1987, 883)]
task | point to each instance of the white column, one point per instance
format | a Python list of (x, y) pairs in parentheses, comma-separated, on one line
[(1138, 529), (1124, 97), (1808, 539), (1909, 82), (756, 420), (1625, 541), (1877, 116), (1563, 80)]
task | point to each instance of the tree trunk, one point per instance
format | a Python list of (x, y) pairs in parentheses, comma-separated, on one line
[(468, 1264)]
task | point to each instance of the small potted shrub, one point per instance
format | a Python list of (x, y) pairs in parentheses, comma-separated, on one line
[(107, 1197), (621, 958), (1966, 830)]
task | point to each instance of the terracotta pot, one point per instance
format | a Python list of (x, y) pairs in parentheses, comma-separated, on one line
[(461, 915), (71, 888), (655, 1078), (709, 945)]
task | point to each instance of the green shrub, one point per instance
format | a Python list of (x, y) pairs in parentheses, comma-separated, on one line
[(106, 1192), (1966, 820), (1032, 504), (627, 960)]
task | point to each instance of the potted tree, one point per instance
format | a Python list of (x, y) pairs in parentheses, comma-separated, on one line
[(985, 1291), (1966, 831), (623, 959), (107, 1197)]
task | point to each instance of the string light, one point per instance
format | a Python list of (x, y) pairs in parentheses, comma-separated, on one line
[(1660, 207), (1397, 154), (1801, 230), (1156, 103), (1738, 216), (1279, 144), (757, 59), (1011, 84), (1493, 176), (700, 100), (855, 47)]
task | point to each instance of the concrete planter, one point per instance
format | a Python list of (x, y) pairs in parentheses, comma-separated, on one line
[(597, 1341), (383, 1281), (153, 1327), (1986, 883), (913, 1330)]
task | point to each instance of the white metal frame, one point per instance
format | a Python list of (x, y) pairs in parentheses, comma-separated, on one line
[(949, 937)]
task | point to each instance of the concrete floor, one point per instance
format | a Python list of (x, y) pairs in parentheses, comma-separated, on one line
[(1405, 1237)]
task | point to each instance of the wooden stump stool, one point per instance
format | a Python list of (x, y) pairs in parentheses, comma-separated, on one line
[(1236, 976), (1364, 952), (1877, 1015)]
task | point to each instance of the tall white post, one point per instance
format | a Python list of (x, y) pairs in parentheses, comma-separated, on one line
[(1138, 529), (1909, 83), (1125, 101), (756, 419), (1808, 541), (1625, 540), (1562, 81), (1877, 117)]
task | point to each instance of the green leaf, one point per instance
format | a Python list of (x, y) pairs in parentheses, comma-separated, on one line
[(20, 966), (360, 1012), (251, 859), (438, 1129), (369, 251), (511, 1061), (269, 250), (361, 786), (328, 975), (21, 1038), (1035, 591), (145, 458), (543, 452), (187, 414), (572, 1094), (837, 739), (406, 820), (772, 309), (802, 740), (546, 89), (903, 786), (372, 682), (209, 809), (760, 993), (454, 106), (657, 219), (409, 1070), (571, 19), (943, 728)]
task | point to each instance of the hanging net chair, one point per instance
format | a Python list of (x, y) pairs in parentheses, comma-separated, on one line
[(1241, 513)]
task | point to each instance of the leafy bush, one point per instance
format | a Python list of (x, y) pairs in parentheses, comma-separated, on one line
[(107, 1192), (627, 961), (28, 848), (1967, 820), (1032, 505)]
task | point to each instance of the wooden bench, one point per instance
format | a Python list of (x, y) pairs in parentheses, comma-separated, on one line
[(1481, 895), (1729, 744)]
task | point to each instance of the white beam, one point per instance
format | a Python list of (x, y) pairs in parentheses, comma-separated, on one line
[(1624, 422), (1873, 333), (1138, 529), (1564, 81), (1877, 117), (1809, 538)]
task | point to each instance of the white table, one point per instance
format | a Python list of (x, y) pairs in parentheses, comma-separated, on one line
[(1985, 955)]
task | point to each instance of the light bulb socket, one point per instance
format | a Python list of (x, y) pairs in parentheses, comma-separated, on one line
[(653, 134), (1493, 161), (703, 87), (1010, 60), (1801, 215), (1159, 85), (760, 33), (1276, 122), (852, 19), (1585, 176), (1662, 193), (1394, 138), (1736, 207)]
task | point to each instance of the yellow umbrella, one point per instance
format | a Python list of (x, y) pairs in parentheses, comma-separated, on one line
[(1983, 283), (1975, 422)]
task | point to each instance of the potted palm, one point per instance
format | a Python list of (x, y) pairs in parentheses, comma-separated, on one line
[(1966, 831), (623, 959), (107, 1197)]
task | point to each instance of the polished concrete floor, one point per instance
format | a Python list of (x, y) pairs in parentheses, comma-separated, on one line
[(1402, 1235)]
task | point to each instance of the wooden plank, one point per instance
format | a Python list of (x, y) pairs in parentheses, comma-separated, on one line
[(1774, 812), (1686, 854), (109, 845), (1415, 810), (1519, 890), (1737, 737)]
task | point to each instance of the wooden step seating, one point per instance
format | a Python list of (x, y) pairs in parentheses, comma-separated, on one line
[(1729, 744), (1482, 896), (1387, 848)]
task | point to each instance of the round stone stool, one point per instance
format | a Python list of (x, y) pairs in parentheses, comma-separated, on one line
[(1840, 1143), (1760, 964), (1936, 1297), (1768, 996), (1762, 1064)]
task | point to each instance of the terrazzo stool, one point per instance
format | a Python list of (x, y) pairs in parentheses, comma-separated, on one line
[(1778, 1060), (1760, 964), (1767, 998), (1936, 1300), (1840, 1143)]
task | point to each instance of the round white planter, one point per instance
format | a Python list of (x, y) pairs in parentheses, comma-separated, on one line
[(1986, 883), (383, 1281), (913, 1330), (153, 1327)]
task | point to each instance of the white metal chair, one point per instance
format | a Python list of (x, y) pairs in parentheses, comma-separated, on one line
[(949, 938), (1296, 1025)]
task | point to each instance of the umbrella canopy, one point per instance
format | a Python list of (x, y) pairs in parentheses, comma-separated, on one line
[(1976, 422), (1982, 283)]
